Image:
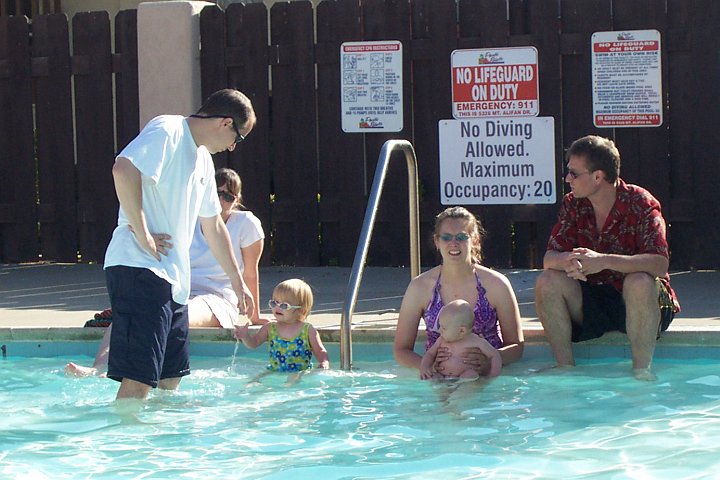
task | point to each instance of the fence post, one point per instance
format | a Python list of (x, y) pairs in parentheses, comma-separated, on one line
[(169, 58)]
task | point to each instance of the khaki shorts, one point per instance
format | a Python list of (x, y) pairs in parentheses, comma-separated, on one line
[(226, 313)]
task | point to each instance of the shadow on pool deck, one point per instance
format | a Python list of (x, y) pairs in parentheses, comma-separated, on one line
[(53, 301)]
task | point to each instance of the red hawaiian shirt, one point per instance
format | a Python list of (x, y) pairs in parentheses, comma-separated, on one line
[(635, 225)]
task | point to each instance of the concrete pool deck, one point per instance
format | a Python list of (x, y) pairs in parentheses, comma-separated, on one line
[(50, 301)]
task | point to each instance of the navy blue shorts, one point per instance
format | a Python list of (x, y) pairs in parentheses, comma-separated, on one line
[(604, 311), (149, 339)]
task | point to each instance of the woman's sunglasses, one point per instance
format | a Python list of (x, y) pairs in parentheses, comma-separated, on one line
[(228, 197), (272, 303), (460, 237)]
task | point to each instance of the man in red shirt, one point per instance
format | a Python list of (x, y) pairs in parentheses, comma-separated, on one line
[(606, 265)]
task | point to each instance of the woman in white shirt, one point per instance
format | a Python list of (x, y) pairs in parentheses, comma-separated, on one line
[(213, 302)]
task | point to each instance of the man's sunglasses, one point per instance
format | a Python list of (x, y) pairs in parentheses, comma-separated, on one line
[(239, 137), (228, 197)]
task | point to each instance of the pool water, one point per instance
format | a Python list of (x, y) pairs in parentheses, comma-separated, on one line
[(378, 421)]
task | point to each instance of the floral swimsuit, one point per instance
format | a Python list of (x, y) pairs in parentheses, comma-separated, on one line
[(486, 321), (292, 355)]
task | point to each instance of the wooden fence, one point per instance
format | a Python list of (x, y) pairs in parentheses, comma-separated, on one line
[(318, 177), (58, 130)]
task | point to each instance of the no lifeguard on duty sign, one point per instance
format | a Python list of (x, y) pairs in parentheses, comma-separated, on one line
[(495, 82)]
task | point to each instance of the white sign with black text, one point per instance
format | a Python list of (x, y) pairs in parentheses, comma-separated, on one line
[(371, 86), (627, 79), (497, 161)]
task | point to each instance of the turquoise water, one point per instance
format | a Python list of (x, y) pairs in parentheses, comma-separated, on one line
[(378, 421)]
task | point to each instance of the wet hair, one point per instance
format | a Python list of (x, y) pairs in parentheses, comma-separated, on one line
[(296, 292), (232, 103), (600, 154), (230, 178), (474, 227)]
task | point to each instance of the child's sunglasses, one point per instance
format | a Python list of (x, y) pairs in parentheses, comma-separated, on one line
[(272, 303)]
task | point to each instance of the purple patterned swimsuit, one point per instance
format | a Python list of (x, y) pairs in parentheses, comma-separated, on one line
[(486, 322)]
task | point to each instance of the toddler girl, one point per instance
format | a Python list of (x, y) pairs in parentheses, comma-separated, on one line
[(291, 341)]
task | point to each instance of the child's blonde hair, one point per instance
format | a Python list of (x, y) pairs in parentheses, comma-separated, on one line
[(298, 292)]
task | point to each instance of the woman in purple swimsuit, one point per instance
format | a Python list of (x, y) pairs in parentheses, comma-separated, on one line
[(458, 238)]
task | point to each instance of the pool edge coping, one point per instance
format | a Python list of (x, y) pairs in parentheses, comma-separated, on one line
[(680, 336)]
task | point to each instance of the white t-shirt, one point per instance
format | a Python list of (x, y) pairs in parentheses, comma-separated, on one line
[(207, 274), (178, 185)]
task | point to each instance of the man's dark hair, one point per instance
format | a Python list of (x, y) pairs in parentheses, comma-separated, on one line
[(600, 154), (229, 102)]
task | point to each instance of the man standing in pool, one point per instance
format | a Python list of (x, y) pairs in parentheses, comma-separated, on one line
[(606, 265), (165, 180)]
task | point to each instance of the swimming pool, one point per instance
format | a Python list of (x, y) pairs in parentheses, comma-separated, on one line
[(378, 421)]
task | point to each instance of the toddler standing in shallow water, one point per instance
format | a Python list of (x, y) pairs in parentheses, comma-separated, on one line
[(291, 341), (456, 322)]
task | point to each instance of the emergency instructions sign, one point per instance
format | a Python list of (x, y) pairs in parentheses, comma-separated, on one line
[(496, 82), (627, 79), (371, 86), (497, 161)]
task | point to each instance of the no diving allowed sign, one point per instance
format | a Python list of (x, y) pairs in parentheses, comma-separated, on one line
[(497, 161)]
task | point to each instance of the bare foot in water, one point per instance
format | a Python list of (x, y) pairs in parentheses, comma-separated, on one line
[(75, 370), (644, 374)]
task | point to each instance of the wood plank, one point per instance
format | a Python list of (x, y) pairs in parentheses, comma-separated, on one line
[(126, 78), (294, 150), (55, 146), (681, 213), (97, 209), (19, 239), (390, 20), (212, 50), (702, 157), (341, 158), (247, 34), (579, 19)]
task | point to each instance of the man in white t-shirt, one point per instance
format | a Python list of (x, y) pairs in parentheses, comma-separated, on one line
[(165, 182)]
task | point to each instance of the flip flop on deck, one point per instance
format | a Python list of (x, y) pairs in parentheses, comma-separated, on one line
[(102, 319)]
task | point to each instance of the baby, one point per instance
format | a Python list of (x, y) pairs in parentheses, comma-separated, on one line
[(456, 321)]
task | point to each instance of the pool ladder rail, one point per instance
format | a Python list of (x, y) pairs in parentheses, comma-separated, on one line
[(366, 233)]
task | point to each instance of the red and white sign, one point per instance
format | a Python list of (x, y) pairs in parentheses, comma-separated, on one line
[(627, 79), (495, 82)]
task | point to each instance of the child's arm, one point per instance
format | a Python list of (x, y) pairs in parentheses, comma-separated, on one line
[(490, 352), (318, 348), (428, 360), (242, 332)]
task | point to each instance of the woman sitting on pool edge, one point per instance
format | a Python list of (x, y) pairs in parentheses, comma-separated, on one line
[(212, 300), (458, 237)]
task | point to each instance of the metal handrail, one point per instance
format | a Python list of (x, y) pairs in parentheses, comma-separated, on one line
[(366, 233)]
